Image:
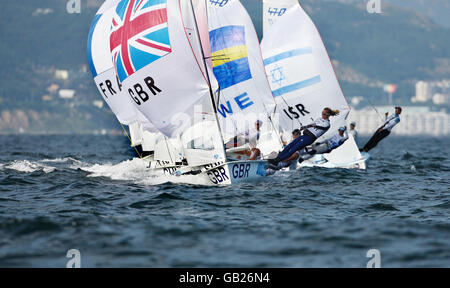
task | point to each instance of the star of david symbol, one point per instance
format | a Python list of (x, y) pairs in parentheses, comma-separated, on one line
[(277, 75)]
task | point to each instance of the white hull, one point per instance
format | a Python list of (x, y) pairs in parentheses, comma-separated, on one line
[(235, 172), (321, 161), (219, 175)]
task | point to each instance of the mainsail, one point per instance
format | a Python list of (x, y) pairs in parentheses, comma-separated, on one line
[(302, 77), (273, 10), (245, 96)]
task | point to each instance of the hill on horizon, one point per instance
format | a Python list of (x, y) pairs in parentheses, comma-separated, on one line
[(398, 46)]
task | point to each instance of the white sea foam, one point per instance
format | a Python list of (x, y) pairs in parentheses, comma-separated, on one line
[(61, 160), (126, 170), (26, 166), (135, 170)]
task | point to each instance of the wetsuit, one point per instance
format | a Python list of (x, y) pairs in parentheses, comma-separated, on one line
[(382, 132)]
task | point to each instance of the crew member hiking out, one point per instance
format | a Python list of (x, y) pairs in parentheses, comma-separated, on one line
[(322, 147), (384, 130), (325, 146), (310, 134), (290, 162)]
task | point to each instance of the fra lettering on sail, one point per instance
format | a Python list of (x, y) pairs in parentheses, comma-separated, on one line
[(141, 93), (109, 85)]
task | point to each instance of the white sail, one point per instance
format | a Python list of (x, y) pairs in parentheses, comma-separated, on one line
[(273, 10), (245, 94), (135, 134), (155, 62), (108, 82), (201, 15), (168, 151), (102, 67), (202, 142), (158, 62), (302, 77)]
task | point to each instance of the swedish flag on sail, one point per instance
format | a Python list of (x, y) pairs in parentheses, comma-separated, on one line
[(229, 55)]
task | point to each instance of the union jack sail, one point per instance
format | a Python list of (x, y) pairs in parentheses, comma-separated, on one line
[(139, 35)]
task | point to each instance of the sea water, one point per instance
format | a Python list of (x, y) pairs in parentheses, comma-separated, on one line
[(90, 193)]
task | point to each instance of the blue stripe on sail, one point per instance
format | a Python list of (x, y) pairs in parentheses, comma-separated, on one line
[(287, 54), (121, 8), (161, 36), (232, 73), (153, 2), (297, 86), (141, 59), (226, 37), (120, 69), (89, 46)]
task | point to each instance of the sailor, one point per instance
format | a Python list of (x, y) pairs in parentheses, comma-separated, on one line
[(384, 130), (324, 146), (353, 132), (252, 138), (291, 162), (296, 133), (310, 134)]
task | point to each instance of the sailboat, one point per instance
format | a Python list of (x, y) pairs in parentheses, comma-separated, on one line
[(160, 153), (194, 82), (303, 80)]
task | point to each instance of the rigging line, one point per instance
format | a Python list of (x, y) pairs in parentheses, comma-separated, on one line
[(218, 97), (273, 124), (207, 73), (299, 122), (168, 150), (379, 115), (131, 142)]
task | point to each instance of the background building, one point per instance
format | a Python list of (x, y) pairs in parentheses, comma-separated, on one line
[(436, 91)]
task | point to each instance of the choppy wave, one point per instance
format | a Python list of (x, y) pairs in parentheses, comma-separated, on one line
[(89, 193), (26, 166), (134, 170), (61, 160)]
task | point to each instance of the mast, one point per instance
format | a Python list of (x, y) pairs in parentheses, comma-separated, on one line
[(211, 93)]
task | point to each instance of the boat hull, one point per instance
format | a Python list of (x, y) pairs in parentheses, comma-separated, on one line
[(321, 161), (229, 173)]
